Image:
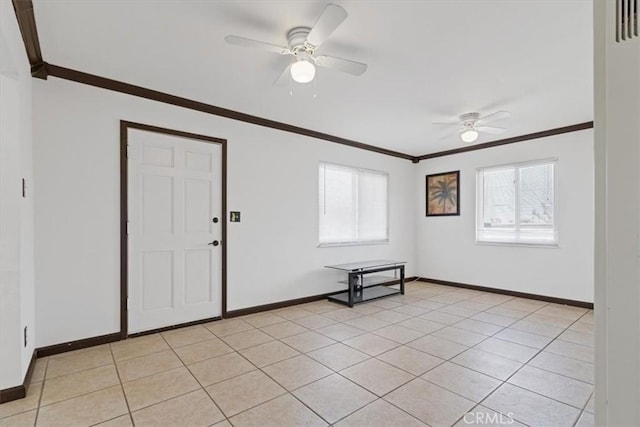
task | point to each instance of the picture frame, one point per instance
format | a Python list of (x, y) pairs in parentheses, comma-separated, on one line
[(443, 194)]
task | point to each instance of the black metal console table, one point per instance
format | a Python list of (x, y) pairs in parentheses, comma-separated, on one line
[(363, 285)]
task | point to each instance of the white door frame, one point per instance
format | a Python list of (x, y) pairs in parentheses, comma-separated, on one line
[(124, 215)]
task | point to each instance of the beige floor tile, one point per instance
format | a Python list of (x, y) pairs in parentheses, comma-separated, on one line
[(371, 344), (315, 321), (583, 327), (284, 329), (463, 381), (390, 316), (569, 367), (430, 403), (479, 327), (439, 347), (399, 334), (523, 338), (507, 349), (285, 411), (202, 351), (30, 401), (320, 307), (422, 325), (531, 408), (376, 376), (261, 320), (494, 319), (487, 363), (40, 369), (586, 420), (247, 339), (342, 314), (121, 421), (508, 312), (86, 410), (224, 423), (366, 309), (591, 404), (367, 323), (194, 409), (564, 311), (308, 341), (243, 392), (220, 368), (544, 319), (537, 328), (24, 419), (474, 305), (334, 397), (78, 351), (460, 336), (523, 304), (340, 331), (139, 346), (222, 328), (379, 414), (156, 388), (574, 351), (411, 310), (456, 310), (144, 366), (485, 417), (60, 366), (297, 371), (185, 336), (338, 356), (577, 337), (293, 313), (268, 353), (567, 390), (440, 317), (411, 360), (73, 385)]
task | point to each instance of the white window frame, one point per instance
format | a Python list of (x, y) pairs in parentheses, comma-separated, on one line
[(355, 242), (517, 240)]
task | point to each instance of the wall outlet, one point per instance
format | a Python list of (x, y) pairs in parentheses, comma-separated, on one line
[(25, 336)]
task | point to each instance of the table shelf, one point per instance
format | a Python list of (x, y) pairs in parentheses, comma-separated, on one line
[(366, 294)]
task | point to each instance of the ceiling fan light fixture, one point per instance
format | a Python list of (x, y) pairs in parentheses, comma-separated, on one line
[(469, 135), (303, 71)]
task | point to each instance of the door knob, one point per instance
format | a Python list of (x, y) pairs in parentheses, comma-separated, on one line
[(214, 243)]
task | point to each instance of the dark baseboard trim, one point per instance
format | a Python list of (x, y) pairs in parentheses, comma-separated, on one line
[(297, 301), (20, 391), (178, 326), (77, 345), (545, 298), (512, 140)]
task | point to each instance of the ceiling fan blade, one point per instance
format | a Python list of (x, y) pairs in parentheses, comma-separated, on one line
[(490, 129), (329, 20), (344, 65), (498, 115), (283, 77), (244, 42)]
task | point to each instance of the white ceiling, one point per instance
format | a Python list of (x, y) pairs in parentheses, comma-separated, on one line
[(429, 61)]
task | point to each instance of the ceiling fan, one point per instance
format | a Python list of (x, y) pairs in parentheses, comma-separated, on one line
[(471, 125), (302, 44)]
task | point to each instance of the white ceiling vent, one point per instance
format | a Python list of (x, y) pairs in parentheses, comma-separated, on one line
[(626, 19)]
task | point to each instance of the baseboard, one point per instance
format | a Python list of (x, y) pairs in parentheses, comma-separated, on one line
[(297, 301), (545, 298), (178, 326), (20, 391), (77, 345)]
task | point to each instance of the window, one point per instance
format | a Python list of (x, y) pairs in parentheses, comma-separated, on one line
[(516, 204), (353, 205)]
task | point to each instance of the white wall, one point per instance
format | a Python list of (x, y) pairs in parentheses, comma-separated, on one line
[(16, 212), (447, 248), (272, 180), (617, 273)]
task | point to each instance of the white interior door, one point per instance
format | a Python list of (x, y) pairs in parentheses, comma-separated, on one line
[(174, 199)]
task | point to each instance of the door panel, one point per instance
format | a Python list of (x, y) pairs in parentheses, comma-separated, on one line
[(174, 192)]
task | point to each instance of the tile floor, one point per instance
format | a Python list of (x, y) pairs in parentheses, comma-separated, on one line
[(438, 356)]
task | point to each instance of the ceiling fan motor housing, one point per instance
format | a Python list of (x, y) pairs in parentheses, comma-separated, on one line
[(469, 119), (297, 37)]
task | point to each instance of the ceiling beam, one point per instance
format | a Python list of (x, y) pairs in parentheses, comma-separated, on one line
[(29, 31)]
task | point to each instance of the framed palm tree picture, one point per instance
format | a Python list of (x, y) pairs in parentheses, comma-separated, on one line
[(443, 194)]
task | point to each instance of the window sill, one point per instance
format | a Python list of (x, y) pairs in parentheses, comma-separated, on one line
[(333, 245), (551, 245)]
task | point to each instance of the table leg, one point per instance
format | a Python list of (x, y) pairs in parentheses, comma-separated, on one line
[(353, 282), (402, 279)]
